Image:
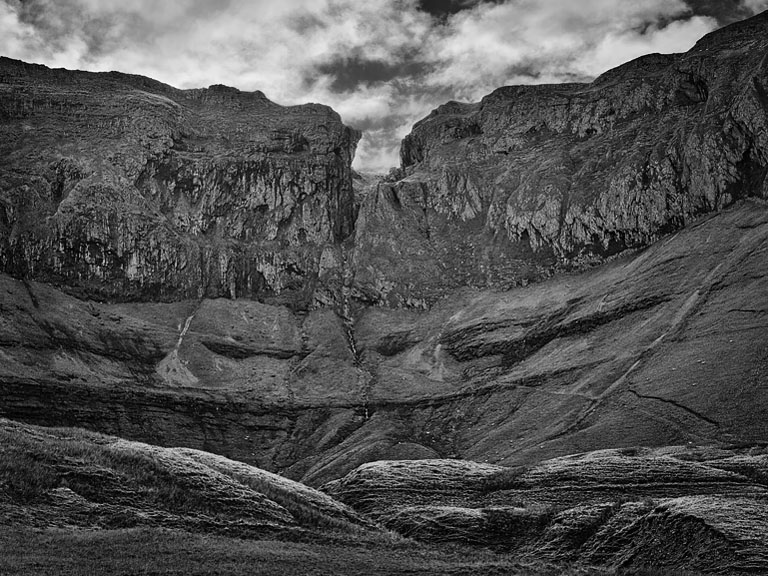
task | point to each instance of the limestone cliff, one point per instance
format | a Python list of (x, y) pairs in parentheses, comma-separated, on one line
[(536, 178), (121, 188)]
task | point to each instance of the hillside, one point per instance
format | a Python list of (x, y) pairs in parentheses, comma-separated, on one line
[(625, 354), (542, 337)]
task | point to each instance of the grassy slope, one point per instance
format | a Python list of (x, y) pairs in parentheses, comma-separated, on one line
[(137, 552), (75, 503), (69, 477)]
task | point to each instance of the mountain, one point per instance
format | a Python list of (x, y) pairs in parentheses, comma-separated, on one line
[(555, 270), (533, 179)]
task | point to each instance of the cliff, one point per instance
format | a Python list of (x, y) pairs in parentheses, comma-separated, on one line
[(118, 187), (535, 179)]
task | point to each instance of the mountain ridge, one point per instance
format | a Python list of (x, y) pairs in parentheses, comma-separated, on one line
[(551, 271), (541, 338)]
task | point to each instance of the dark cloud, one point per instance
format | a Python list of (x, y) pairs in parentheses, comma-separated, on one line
[(349, 73), (445, 8), (724, 11)]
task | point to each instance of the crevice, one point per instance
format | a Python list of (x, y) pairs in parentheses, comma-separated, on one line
[(187, 323), (172, 368), (365, 378), (676, 404), (32, 295), (237, 352), (748, 311)]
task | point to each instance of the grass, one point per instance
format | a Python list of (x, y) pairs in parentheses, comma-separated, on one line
[(148, 510), (91, 465), (144, 552), (124, 483)]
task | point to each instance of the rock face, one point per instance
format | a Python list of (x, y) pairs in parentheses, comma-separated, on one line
[(121, 188), (534, 178)]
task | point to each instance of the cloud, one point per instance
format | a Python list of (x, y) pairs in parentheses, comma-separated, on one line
[(616, 48), (553, 41), (382, 64)]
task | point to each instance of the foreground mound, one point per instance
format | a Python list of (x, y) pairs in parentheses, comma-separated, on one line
[(671, 508), (75, 503), (71, 478)]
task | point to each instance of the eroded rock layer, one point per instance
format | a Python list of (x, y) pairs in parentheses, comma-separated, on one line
[(674, 508)]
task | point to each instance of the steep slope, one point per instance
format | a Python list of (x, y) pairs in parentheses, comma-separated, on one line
[(121, 188), (532, 179), (625, 354)]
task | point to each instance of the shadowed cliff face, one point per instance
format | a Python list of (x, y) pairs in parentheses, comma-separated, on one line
[(213, 276), (535, 178), (121, 188)]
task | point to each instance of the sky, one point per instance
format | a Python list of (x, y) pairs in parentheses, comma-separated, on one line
[(382, 64)]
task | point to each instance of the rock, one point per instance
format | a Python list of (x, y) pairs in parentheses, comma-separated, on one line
[(119, 188), (534, 179)]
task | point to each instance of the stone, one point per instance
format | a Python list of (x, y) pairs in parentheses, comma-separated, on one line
[(121, 188)]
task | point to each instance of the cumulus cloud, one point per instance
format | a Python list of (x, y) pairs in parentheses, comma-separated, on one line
[(382, 64)]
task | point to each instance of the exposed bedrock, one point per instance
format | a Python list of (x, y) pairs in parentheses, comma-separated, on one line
[(534, 178), (121, 188)]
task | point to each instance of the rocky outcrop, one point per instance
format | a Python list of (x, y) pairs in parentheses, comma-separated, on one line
[(532, 179), (674, 508), (120, 188)]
